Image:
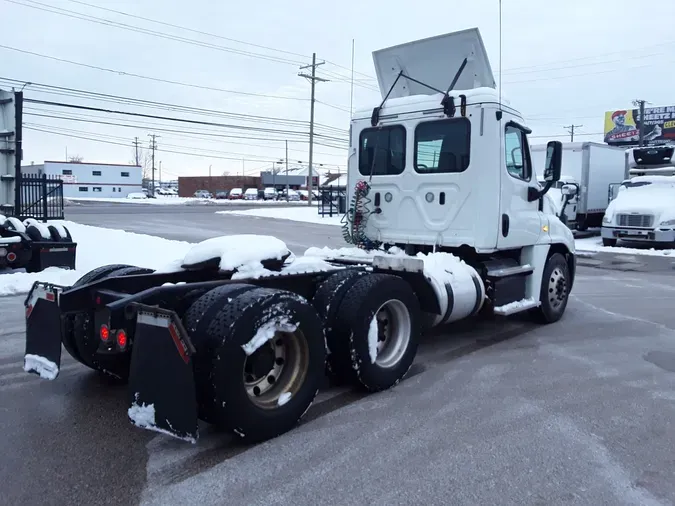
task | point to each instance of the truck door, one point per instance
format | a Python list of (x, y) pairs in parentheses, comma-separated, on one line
[(520, 220)]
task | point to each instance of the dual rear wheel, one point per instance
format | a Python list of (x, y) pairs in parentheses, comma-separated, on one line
[(262, 353)]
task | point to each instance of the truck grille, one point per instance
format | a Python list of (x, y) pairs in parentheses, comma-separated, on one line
[(635, 220)]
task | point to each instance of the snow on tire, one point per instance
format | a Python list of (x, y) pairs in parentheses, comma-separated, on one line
[(381, 314), (196, 319), (268, 362), (327, 299)]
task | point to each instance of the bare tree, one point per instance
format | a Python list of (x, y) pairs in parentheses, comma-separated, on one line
[(75, 159), (142, 157)]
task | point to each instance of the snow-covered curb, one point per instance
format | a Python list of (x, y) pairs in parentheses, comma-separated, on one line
[(182, 201), (587, 247)]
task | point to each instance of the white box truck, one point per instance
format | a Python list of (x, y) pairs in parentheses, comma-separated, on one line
[(590, 169)]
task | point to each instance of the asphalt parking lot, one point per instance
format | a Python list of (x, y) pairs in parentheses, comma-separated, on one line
[(493, 412)]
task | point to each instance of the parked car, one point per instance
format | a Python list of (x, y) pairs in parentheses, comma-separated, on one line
[(203, 194), (251, 194), (221, 194), (269, 193), (236, 194), (293, 195)]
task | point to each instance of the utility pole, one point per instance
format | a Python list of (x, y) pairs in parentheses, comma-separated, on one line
[(570, 129), (313, 80), (160, 173), (137, 145), (153, 147), (243, 167), (309, 195), (641, 105)]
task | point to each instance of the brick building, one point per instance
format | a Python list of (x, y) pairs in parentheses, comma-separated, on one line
[(187, 186)]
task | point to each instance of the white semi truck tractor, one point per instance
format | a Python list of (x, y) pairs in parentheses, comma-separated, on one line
[(447, 219)]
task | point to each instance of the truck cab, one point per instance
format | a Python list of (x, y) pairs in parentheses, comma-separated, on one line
[(451, 170), (643, 207)]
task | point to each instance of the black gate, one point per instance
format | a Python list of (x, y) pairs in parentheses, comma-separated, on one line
[(39, 197), (332, 201)]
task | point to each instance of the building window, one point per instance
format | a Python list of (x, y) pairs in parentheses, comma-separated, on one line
[(84, 188), (516, 153), (114, 189), (67, 172), (382, 151), (119, 189), (442, 146), (95, 172), (125, 174), (97, 189)]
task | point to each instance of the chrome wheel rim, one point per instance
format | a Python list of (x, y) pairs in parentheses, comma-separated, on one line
[(393, 333), (557, 288), (276, 371)]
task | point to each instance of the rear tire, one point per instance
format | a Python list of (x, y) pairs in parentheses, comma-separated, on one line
[(264, 394), (196, 321), (608, 242), (381, 316), (554, 295), (84, 337), (327, 301)]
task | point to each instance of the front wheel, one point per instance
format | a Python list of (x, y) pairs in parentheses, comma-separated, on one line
[(556, 283)]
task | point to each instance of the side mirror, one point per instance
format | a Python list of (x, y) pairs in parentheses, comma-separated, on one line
[(553, 161), (569, 189)]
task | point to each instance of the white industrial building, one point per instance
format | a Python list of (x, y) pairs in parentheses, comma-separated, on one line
[(91, 179)]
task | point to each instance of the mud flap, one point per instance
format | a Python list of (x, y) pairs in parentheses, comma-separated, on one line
[(161, 379), (43, 331)]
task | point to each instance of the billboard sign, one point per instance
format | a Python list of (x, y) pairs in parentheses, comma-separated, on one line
[(622, 127)]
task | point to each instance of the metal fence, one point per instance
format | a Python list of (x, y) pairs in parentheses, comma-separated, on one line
[(332, 201), (40, 197)]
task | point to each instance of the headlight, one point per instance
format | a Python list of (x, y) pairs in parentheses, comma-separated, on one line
[(607, 219), (667, 223)]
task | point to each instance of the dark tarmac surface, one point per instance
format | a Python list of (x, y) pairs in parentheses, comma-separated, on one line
[(493, 412)]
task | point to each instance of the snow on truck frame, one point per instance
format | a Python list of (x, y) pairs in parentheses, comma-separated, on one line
[(447, 218)]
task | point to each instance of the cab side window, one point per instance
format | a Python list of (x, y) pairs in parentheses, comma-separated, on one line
[(517, 153)]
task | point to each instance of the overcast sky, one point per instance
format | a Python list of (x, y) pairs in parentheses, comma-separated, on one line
[(563, 63)]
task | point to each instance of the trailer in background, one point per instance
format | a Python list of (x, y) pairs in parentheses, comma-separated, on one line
[(591, 168)]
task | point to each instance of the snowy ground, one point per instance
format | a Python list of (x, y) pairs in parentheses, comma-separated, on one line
[(594, 244), (305, 215), (182, 201)]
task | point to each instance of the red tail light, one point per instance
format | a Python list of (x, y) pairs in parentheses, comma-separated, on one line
[(11, 256), (104, 333), (121, 339)]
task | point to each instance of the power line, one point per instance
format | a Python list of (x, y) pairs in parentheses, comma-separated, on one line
[(197, 135), (89, 95), (168, 118), (149, 78), (206, 153), (116, 24), (163, 23)]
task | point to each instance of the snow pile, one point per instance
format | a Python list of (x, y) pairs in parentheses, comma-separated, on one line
[(304, 214), (267, 331), (351, 252), (373, 335), (143, 416), (236, 251), (594, 244), (519, 304), (96, 247), (45, 368)]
